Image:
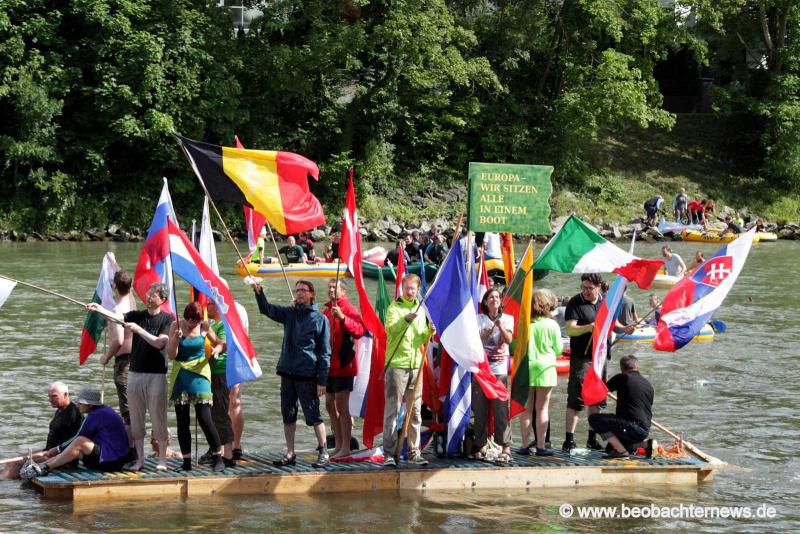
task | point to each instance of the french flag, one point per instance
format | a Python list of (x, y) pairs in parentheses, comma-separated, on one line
[(691, 302), (451, 307), (594, 389), (154, 263), (241, 363)]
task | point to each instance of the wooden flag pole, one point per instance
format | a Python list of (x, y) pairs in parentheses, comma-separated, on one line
[(278, 253), (410, 405)]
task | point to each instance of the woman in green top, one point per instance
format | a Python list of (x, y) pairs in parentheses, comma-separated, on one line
[(190, 382), (544, 346)]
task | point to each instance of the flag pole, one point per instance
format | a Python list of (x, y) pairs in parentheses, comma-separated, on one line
[(59, 295), (278, 252), (424, 298)]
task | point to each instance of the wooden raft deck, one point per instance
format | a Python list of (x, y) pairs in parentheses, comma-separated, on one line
[(255, 475)]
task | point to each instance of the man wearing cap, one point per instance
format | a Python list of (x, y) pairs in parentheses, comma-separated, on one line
[(101, 442)]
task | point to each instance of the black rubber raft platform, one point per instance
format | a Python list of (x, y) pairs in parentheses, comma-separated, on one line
[(255, 475)]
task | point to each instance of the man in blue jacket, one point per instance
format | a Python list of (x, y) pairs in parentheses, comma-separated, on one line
[(302, 366)]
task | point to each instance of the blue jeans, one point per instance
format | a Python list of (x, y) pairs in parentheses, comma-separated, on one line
[(628, 432)]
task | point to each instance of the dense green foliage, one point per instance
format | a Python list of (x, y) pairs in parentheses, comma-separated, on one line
[(408, 91)]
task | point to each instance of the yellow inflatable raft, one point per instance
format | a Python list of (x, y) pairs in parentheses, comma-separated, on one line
[(711, 237), (298, 270), (766, 237), (646, 334)]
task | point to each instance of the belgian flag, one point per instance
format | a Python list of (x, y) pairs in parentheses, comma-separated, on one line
[(273, 183)]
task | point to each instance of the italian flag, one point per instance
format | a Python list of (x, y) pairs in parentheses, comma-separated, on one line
[(577, 248), (517, 303), (103, 295)]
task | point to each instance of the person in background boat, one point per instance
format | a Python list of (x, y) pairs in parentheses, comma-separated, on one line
[(393, 255), (699, 259), (627, 310), (463, 240), (406, 332), (101, 442), (434, 230), (65, 423), (294, 253), (580, 315), (628, 429), (336, 238), (424, 243), (559, 316), (220, 409), (261, 247), (738, 219), (496, 330), (760, 226), (654, 301), (680, 206), (651, 208), (190, 382), (437, 250), (303, 365), (673, 264), (711, 207), (544, 346), (491, 246), (120, 341), (346, 327), (147, 384), (731, 227), (413, 245), (327, 254), (308, 247), (697, 212)]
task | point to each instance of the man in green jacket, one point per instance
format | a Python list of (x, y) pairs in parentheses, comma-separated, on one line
[(406, 332)]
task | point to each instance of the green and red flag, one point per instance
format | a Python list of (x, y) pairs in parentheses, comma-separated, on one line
[(382, 298), (517, 303), (507, 251), (104, 295), (577, 248), (273, 183)]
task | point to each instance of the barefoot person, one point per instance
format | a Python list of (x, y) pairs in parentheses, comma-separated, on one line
[(65, 423), (302, 366), (346, 327), (147, 382), (101, 443)]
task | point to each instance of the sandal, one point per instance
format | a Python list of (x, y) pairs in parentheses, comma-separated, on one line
[(286, 460), (504, 458)]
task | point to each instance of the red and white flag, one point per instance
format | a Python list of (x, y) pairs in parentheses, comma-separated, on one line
[(401, 273), (483, 279), (350, 252)]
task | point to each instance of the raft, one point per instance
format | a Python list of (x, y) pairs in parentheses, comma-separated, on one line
[(646, 334), (766, 237), (298, 270), (255, 475), (664, 281), (711, 237), (562, 365), (371, 270)]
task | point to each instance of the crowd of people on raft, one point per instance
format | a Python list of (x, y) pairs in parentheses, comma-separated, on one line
[(695, 212), (318, 360)]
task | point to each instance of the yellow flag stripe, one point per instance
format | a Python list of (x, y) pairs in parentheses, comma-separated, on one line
[(255, 172), (523, 327)]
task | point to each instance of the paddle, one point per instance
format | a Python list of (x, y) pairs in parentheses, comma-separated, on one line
[(410, 404), (718, 326)]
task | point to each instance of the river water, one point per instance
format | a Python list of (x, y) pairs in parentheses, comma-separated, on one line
[(735, 397)]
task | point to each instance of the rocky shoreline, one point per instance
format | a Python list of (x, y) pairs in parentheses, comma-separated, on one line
[(387, 229)]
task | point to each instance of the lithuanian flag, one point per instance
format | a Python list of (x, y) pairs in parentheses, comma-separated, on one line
[(275, 184), (104, 295), (517, 303)]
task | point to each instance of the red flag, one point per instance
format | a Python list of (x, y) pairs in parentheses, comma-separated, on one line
[(401, 272), (507, 251), (350, 252), (483, 280)]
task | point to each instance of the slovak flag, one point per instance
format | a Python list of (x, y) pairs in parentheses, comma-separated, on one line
[(451, 307), (154, 262), (594, 388), (691, 302), (241, 363)]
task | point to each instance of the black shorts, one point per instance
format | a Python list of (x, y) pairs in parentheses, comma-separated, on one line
[(305, 392), (339, 383), (578, 367), (92, 461)]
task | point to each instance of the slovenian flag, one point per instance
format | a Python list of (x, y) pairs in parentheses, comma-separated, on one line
[(241, 363), (577, 248), (95, 323), (154, 263), (451, 307), (594, 388), (274, 183), (691, 303)]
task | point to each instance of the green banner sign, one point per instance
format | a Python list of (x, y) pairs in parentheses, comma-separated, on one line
[(510, 198)]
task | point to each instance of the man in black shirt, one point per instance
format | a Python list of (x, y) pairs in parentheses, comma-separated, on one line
[(579, 316), (65, 424), (626, 430), (147, 381)]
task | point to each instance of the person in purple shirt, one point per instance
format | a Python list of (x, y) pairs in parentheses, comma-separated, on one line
[(101, 442)]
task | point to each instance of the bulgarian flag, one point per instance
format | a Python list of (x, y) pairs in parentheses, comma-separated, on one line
[(274, 183), (103, 294), (577, 248), (517, 303)]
